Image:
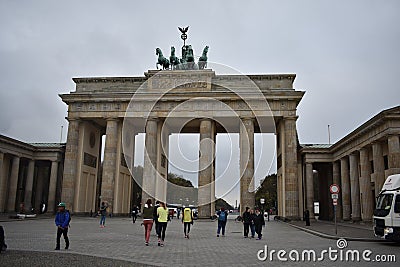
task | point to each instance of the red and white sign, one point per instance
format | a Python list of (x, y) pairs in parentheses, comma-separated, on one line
[(334, 188), (334, 202)]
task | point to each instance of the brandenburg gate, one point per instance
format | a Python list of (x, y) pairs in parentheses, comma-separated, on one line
[(183, 97), (176, 101)]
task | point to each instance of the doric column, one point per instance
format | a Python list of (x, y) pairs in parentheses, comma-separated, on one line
[(393, 154), (291, 193), (247, 196), (345, 186), (367, 203), (310, 189), (109, 163), (70, 163), (29, 185), (3, 183), (12, 189), (52, 187), (379, 167), (355, 188), (336, 180), (150, 160), (206, 148)]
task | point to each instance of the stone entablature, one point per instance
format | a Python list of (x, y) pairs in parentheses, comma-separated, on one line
[(105, 97), (377, 129), (37, 151)]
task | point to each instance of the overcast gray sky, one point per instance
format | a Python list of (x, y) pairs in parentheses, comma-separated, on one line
[(345, 54)]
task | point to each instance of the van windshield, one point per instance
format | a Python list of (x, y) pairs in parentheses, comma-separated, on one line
[(384, 203)]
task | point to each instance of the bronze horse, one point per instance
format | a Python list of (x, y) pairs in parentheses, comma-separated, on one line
[(164, 62), (174, 60), (203, 59)]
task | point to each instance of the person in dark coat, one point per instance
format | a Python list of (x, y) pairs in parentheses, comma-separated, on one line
[(246, 222), (135, 212), (252, 226), (259, 223)]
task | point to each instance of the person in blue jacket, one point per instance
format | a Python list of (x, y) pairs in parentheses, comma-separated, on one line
[(62, 222)]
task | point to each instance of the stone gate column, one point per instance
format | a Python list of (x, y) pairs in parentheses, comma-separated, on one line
[(109, 163), (367, 203), (345, 188), (12, 189), (336, 180), (247, 195), (355, 188), (150, 160), (70, 164), (310, 189), (290, 170), (29, 185), (206, 148), (379, 167), (52, 187), (393, 154), (3, 183)]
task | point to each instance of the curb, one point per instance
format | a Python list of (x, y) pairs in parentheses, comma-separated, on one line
[(316, 233)]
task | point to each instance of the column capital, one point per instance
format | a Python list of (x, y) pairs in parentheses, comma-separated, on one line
[(17, 155), (354, 153), (111, 118), (290, 118), (153, 118), (245, 118)]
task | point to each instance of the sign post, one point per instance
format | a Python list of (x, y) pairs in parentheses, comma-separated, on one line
[(334, 189)]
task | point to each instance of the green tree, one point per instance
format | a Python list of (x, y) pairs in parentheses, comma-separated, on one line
[(179, 180), (268, 191)]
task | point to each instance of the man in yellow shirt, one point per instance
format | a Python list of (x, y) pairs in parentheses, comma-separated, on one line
[(187, 220)]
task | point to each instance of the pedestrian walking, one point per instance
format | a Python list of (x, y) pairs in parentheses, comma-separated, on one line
[(148, 217), (307, 217), (103, 214), (222, 219), (135, 212), (62, 220), (252, 226), (163, 218), (178, 212), (259, 223), (246, 222), (3, 246), (187, 220)]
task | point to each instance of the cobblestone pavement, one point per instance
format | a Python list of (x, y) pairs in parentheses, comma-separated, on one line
[(122, 240)]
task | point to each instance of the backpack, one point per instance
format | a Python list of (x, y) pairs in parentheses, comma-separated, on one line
[(222, 216), (69, 213)]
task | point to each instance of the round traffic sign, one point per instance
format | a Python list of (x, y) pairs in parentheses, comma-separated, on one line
[(334, 188)]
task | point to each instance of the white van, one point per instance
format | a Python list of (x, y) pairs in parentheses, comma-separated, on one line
[(387, 212)]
